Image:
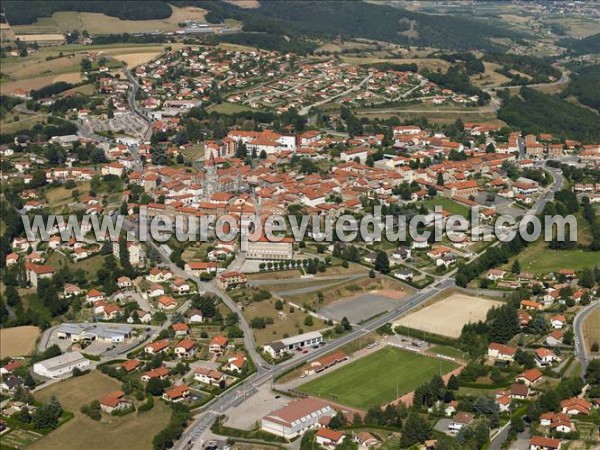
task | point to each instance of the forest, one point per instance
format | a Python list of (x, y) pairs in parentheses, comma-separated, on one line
[(590, 44), (457, 79), (536, 112), (585, 85)]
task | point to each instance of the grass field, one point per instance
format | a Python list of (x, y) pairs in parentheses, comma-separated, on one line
[(537, 258), (89, 265), (446, 351), (133, 431), (448, 205), (18, 341), (378, 378), (229, 108), (591, 330)]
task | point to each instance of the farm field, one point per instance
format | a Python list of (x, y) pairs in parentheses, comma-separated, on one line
[(97, 23), (448, 316), (390, 373), (591, 330), (18, 341), (133, 431)]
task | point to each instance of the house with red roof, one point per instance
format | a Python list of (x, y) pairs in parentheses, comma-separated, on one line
[(328, 437), (160, 372), (157, 347), (185, 348), (114, 401), (529, 377), (176, 394), (218, 344), (544, 443)]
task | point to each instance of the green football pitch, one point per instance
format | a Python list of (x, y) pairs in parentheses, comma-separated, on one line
[(377, 378)]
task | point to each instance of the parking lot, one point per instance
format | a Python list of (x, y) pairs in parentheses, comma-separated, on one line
[(359, 308), (255, 407)]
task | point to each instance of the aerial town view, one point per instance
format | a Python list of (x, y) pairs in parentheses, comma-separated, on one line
[(299, 225)]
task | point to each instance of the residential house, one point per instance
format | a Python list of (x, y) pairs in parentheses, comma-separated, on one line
[(501, 352), (114, 401), (327, 437), (176, 394), (160, 372), (157, 347), (460, 420), (218, 344), (544, 443), (208, 376), (185, 349), (529, 377)]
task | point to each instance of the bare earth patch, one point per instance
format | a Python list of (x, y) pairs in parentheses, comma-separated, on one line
[(448, 316), (18, 341)]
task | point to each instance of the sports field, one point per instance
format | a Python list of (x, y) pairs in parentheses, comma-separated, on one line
[(448, 316), (378, 378)]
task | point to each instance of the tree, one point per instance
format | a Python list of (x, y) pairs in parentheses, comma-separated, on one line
[(382, 262), (595, 347), (156, 386), (516, 267), (587, 278), (453, 383), (416, 429), (345, 323), (440, 179), (308, 321)]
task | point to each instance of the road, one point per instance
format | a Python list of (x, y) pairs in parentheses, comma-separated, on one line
[(580, 347), (131, 99)]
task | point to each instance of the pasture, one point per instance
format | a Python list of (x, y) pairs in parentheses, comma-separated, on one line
[(378, 378), (133, 431), (448, 316), (18, 341)]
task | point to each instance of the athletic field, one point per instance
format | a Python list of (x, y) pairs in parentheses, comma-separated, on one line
[(378, 378)]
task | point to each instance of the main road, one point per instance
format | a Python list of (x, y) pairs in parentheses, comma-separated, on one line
[(581, 352)]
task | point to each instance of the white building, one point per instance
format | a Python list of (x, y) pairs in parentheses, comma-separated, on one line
[(266, 250), (61, 365), (296, 417)]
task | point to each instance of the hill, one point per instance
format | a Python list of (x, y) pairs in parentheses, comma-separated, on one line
[(535, 112), (590, 44), (314, 19)]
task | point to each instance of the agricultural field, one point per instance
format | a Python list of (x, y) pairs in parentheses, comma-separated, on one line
[(19, 438), (390, 372), (133, 431), (591, 330), (96, 23), (18, 341), (448, 316), (490, 77)]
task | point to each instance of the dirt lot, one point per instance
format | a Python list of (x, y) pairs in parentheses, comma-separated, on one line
[(448, 316), (18, 341), (133, 431), (591, 330)]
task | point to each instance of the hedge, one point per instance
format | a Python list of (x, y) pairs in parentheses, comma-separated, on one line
[(425, 336)]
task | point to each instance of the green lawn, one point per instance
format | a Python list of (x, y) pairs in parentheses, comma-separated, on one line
[(448, 205), (537, 258), (377, 378), (446, 351), (230, 108)]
